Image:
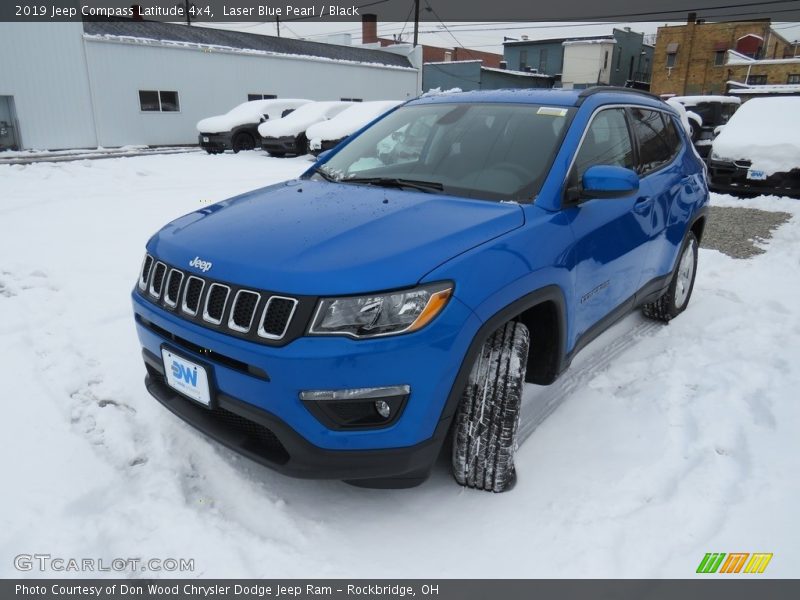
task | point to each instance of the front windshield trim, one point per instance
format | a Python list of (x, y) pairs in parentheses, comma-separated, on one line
[(525, 194)]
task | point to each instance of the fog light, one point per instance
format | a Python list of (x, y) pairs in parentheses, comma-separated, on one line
[(383, 408), (361, 408)]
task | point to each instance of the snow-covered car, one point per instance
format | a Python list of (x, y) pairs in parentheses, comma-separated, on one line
[(691, 121), (238, 128), (706, 113), (327, 134), (758, 151), (288, 136)]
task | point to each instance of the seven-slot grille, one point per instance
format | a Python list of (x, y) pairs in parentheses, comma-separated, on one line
[(246, 312)]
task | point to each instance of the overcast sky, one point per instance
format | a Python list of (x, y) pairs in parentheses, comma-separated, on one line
[(480, 36)]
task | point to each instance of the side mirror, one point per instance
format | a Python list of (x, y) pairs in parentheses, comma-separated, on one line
[(607, 181)]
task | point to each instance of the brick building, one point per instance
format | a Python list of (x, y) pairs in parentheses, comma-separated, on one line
[(693, 58), (430, 54)]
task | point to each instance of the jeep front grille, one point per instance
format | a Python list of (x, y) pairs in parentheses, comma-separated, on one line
[(243, 310), (277, 314), (191, 295), (144, 274), (254, 314), (216, 299), (174, 280), (158, 280)]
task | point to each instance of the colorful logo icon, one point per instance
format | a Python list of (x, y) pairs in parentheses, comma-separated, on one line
[(736, 562)]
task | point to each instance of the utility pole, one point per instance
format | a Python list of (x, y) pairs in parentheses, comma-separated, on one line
[(188, 18), (416, 22)]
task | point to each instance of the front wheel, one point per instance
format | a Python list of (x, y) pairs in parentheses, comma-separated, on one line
[(674, 301), (487, 420), (243, 141)]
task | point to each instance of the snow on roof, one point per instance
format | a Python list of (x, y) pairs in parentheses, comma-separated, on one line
[(437, 91), (223, 40), (684, 115), (695, 100), (765, 131), (349, 120), (247, 112), (787, 88), (452, 62), (517, 73), (587, 42), (736, 58), (302, 118)]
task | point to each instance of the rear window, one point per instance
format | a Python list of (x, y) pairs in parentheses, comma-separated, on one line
[(658, 140)]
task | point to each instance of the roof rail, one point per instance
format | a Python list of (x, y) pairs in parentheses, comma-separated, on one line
[(599, 89)]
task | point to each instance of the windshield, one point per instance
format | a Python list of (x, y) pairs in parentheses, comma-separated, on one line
[(486, 151)]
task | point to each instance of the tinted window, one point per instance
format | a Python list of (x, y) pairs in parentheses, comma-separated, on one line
[(169, 101), (607, 142), (148, 101), (656, 139), (488, 151)]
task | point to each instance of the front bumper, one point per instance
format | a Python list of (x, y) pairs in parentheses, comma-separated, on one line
[(285, 145), (262, 383), (215, 142), (268, 440), (730, 177)]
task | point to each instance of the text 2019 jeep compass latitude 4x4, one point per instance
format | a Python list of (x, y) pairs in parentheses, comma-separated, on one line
[(341, 325)]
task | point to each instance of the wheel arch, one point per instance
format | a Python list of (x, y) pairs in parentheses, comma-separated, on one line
[(698, 226), (542, 311)]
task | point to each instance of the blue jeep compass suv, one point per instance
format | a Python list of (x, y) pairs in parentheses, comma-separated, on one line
[(392, 301)]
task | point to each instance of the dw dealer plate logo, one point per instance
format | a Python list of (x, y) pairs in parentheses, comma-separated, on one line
[(736, 562)]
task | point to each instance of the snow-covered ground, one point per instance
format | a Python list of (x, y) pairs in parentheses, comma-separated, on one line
[(664, 442)]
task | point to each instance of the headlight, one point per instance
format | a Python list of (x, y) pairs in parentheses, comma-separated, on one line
[(381, 314)]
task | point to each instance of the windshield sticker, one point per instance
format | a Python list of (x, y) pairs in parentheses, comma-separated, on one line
[(551, 111)]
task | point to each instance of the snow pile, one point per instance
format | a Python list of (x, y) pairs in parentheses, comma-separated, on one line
[(589, 42), (663, 442), (348, 121), (247, 113), (765, 131), (301, 119), (437, 91), (695, 100)]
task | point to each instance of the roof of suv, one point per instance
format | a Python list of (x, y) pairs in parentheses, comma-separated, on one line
[(555, 97)]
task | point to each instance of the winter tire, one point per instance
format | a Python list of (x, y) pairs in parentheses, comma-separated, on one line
[(674, 301), (243, 141), (485, 428)]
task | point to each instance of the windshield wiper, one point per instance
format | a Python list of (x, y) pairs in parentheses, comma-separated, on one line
[(423, 186), (325, 174)]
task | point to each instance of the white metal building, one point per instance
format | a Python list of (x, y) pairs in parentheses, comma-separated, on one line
[(587, 62), (115, 83)]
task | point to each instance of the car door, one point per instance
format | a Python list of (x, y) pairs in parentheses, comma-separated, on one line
[(611, 234), (666, 183)]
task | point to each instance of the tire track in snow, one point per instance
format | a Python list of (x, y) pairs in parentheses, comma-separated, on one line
[(539, 402)]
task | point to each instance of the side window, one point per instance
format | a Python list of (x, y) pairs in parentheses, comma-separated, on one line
[(607, 142), (655, 146)]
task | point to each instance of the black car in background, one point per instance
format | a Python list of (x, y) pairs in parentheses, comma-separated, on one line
[(238, 128), (713, 112)]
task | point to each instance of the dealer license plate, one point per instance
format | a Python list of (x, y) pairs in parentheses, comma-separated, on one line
[(186, 377), (756, 174)]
